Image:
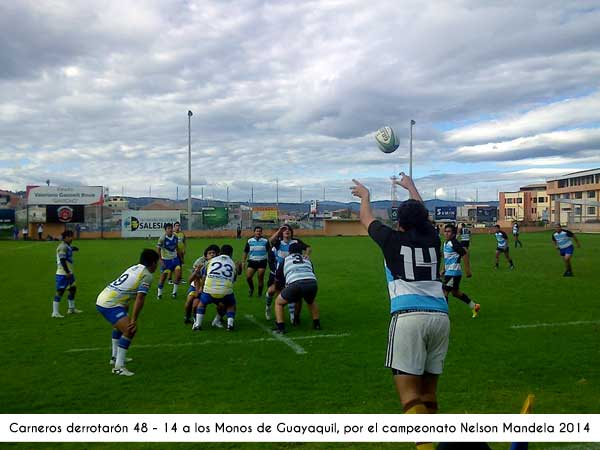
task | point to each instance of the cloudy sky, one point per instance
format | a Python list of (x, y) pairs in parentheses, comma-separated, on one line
[(504, 93)]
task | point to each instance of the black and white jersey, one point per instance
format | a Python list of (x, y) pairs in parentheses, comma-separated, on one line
[(296, 267), (412, 263), (465, 234)]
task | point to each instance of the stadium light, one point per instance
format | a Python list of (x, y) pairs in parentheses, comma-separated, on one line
[(190, 114), (412, 123)]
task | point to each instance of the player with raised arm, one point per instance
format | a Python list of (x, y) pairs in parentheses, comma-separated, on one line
[(563, 243), (65, 280), (298, 274), (502, 246), (221, 273), (452, 272), (169, 259), (420, 327), (113, 304), (256, 253)]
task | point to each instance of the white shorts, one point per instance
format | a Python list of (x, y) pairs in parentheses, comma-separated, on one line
[(418, 342)]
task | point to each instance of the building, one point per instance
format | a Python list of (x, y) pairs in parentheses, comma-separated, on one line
[(117, 203), (575, 197), (530, 204)]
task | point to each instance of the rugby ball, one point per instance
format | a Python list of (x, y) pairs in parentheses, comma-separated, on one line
[(386, 140)]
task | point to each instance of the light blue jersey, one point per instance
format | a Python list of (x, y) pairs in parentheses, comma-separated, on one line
[(502, 239), (563, 239), (452, 254), (257, 249)]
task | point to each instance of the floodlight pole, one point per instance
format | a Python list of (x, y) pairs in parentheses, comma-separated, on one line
[(412, 123), (190, 170)]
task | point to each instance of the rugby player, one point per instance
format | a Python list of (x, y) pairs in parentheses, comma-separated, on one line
[(502, 247), (298, 274), (452, 271), (515, 232), (169, 259), (65, 280), (563, 243), (465, 236), (221, 273), (420, 326), (196, 281), (256, 255), (113, 304)]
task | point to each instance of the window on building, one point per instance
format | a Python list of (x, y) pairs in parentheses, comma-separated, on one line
[(519, 200), (534, 199), (591, 210), (541, 199), (564, 195), (563, 183), (578, 210), (532, 210), (578, 194), (591, 194), (509, 200)]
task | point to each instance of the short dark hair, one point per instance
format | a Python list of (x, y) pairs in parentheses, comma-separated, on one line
[(295, 248), (168, 225), (67, 233), (212, 247), (412, 214), (450, 227), (148, 257), (497, 226), (258, 227), (289, 227), (177, 223), (227, 250)]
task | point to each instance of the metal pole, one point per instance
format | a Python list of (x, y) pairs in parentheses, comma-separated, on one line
[(300, 194), (410, 173), (190, 170)]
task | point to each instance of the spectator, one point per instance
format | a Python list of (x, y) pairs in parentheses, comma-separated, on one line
[(16, 232), (40, 231), (78, 231), (239, 231), (25, 233)]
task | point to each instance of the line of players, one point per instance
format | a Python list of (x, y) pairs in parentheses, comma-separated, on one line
[(291, 279)]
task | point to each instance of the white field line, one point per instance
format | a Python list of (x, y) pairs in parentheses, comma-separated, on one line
[(209, 342), (23, 246), (556, 324), (280, 337)]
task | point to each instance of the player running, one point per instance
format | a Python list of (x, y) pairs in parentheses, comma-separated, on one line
[(113, 304), (181, 242), (502, 246), (221, 273), (169, 259), (564, 244), (515, 232), (256, 253), (465, 236), (452, 272), (298, 274), (196, 281), (420, 327), (65, 280)]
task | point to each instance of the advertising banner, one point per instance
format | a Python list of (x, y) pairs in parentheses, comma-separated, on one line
[(264, 213), (445, 213), (37, 214), (487, 214), (65, 214), (145, 224), (64, 195), (215, 216), (7, 222)]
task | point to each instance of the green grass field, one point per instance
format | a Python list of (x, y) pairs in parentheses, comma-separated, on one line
[(490, 368)]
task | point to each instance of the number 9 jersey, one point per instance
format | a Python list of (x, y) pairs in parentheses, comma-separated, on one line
[(220, 276), (125, 288)]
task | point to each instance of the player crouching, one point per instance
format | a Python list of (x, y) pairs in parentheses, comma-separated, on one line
[(221, 273), (300, 282)]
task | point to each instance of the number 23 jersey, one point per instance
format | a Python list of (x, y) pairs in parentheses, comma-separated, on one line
[(125, 288), (220, 275)]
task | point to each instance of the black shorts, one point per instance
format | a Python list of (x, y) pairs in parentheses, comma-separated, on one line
[(257, 264), (451, 282), (465, 244), (502, 250), (295, 292)]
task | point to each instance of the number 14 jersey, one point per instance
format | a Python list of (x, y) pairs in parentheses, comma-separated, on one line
[(125, 288)]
